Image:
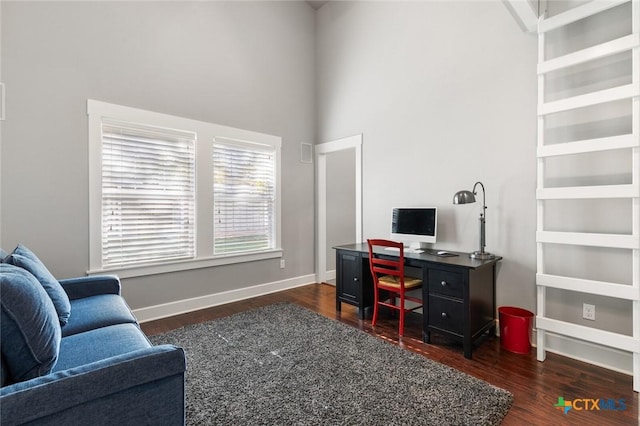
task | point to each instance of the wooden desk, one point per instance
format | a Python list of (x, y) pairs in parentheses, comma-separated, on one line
[(458, 292)]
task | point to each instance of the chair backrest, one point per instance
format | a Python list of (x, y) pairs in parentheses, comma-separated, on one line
[(393, 266)]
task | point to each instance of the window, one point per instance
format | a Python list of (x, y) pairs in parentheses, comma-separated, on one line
[(244, 196), (148, 194), (168, 193)]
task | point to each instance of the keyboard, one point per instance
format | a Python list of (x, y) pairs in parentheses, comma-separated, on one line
[(441, 253), (406, 250), (433, 252)]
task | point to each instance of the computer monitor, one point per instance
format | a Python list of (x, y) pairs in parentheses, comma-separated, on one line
[(415, 226)]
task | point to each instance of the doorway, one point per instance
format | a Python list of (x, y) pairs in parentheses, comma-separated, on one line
[(325, 161)]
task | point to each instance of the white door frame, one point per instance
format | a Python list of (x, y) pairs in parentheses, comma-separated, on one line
[(321, 151)]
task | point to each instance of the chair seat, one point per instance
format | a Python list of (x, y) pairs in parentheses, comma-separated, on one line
[(394, 282)]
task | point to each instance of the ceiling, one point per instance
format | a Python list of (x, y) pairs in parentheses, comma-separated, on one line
[(317, 4)]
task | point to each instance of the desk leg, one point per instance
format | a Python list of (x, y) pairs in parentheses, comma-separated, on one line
[(426, 334), (467, 346)]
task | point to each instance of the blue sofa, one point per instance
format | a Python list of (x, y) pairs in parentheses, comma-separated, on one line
[(75, 354)]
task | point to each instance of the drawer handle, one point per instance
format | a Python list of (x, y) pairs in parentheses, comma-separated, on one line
[(443, 283), (355, 278), (444, 315)]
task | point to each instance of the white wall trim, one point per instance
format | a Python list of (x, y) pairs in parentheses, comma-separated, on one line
[(330, 275), (598, 355), (178, 307), (591, 353), (186, 265)]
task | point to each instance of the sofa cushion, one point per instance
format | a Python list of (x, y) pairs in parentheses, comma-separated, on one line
[(26, 259), (99, 344), (97, 311), (3, 255), (30, 330)]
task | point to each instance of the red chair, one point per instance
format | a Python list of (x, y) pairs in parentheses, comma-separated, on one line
[(388, 275)]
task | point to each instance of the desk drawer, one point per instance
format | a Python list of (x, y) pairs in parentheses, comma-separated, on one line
[(446, 282), (446, 314)]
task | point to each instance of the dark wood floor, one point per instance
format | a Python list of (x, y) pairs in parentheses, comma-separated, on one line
[(535, 385)]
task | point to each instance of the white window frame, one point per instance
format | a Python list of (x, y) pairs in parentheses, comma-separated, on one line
[(205, 134)]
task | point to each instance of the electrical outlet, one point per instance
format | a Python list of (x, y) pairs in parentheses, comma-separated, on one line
[(589, 311), (282, 263)]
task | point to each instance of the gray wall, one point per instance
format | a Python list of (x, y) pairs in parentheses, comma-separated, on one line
[(243, 64), (445, 95)]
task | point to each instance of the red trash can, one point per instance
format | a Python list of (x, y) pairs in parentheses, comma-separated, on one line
[(515, 329)]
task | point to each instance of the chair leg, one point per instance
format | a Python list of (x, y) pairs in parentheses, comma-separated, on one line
[(375, 307), (401, 316)]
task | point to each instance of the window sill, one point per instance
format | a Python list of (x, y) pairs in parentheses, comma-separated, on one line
[(177, 266)]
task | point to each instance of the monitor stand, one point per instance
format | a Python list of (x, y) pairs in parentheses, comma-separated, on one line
[(418, 246)]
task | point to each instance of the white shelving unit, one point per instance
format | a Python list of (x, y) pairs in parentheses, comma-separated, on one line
[(631, 142)]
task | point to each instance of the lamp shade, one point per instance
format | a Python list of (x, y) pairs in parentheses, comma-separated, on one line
[(464, 197)]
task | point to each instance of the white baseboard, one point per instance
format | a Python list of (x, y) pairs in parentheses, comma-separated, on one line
[(331, 275), (178, 307), (591, 353), (581, 350)]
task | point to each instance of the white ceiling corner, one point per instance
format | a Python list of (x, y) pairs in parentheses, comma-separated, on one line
[(525, 12)]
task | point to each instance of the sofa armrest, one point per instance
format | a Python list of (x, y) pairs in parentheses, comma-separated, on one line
[(81, 287), (145, 386)]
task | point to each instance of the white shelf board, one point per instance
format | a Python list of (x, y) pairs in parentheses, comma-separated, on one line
[(609, 48), (594, 98), (619, 291), (576, 14), (590, 334), (588, 192), (588, 145), (621, 241)]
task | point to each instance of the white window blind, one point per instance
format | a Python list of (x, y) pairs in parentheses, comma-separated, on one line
[(244, 194), (148, 194)]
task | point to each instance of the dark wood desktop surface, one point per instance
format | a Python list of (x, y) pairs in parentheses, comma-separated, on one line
[(462, 259)]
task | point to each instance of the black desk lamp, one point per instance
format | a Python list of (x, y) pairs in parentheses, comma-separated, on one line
[(465, 197)]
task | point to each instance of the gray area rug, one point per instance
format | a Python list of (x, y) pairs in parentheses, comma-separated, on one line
[(285, 365)]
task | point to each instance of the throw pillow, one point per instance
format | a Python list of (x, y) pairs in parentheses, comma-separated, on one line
[(30, 331), (26, 259)]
